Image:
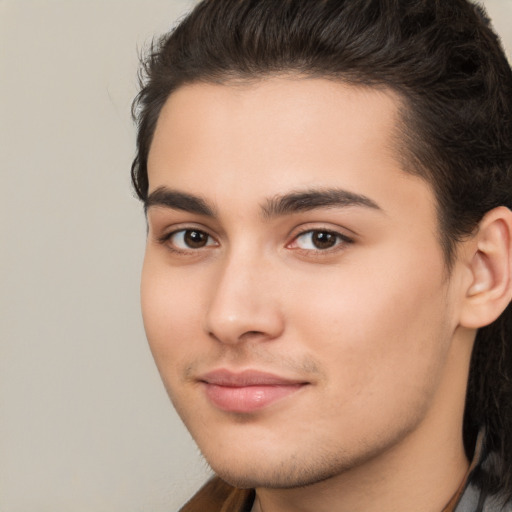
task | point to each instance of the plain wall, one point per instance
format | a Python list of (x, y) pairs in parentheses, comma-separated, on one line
[(85, 424)]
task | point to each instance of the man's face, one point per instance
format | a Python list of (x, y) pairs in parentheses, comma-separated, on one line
[(294, 292)]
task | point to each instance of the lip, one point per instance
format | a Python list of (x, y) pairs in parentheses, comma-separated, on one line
[(247, 391)]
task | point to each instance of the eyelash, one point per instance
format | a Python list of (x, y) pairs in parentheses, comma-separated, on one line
[(165, 240), (341, 241)]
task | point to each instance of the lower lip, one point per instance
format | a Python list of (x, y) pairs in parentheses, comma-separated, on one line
[(248, 399)]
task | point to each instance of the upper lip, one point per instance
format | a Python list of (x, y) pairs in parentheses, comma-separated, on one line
[(245, 378)]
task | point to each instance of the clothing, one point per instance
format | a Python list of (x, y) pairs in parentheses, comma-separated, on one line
[(218, 496), (469, 498)]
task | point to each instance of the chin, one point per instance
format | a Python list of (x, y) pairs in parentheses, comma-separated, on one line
[(290, 471), (277, 466)]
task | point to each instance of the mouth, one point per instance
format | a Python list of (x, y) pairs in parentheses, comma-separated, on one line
[(248, 391)]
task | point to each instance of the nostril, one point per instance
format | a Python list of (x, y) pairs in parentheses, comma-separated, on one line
[(212, 335), (253, 333), (233, 338), (231, 320)]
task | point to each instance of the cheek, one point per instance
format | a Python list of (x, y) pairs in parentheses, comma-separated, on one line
[(171, 313), (382, 329)]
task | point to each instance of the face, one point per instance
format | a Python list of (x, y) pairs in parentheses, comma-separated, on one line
[(294, 291)]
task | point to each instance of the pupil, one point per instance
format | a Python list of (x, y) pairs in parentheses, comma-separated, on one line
[(324, 240), (195, 239)]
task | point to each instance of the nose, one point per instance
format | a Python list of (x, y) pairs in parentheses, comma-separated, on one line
[(243, 304)]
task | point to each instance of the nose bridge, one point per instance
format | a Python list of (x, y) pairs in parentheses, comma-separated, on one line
[(243, 302)]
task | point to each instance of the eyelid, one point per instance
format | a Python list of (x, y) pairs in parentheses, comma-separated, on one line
[(165, 238), (342, 242), (163, 232), (342, 238)]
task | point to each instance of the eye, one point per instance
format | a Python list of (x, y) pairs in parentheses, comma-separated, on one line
[(319, 240), (186, 239)]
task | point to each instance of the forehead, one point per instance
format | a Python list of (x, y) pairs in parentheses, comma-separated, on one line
[(278, 117), (240, 144)]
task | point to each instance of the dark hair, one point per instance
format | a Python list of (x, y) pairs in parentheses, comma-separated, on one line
[(448, 68)]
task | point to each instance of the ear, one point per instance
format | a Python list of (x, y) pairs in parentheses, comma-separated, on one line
[(489, 264)]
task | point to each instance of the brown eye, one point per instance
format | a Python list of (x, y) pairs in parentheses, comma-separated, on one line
[(186, 239), (323, 239), (320, 240), (195, 239)]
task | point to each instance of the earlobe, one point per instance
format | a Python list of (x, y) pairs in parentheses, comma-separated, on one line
[(490, 263)]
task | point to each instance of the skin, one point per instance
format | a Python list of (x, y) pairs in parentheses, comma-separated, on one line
[(371, 324)]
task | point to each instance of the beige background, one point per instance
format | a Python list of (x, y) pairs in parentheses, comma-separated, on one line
[(85, 424)]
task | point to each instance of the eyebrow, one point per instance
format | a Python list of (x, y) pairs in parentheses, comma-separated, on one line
[(302, 201), (177, 200), (280, 205)]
